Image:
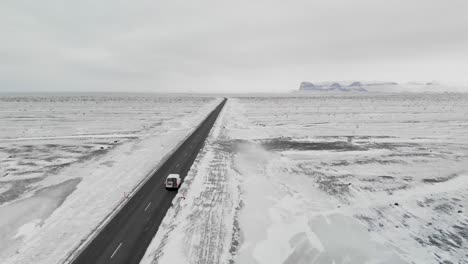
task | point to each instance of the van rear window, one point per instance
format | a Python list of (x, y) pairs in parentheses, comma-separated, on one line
[(172, 180)]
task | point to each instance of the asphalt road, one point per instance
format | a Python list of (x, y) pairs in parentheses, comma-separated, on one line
[(125, 238)]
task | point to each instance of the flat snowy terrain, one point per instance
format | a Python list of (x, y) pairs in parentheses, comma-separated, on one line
[(326, 179), (67, 161)]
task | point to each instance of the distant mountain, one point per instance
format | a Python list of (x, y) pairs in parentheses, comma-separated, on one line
[(332, 87), (381, 83), (306, 86), (433, 83), (379, 87)]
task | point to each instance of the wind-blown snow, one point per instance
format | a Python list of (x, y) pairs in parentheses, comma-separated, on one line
[(327, 179), (67, 162)]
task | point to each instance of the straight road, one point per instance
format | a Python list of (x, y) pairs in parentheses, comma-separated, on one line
[(127, 235)]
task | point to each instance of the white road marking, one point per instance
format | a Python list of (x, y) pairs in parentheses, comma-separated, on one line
[(115, 251), (177, 166), (147, 206)]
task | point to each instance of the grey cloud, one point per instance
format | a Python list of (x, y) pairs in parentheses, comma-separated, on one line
[(224, 46)]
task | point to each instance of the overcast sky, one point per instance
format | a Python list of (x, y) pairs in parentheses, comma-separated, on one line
[(227, 46)]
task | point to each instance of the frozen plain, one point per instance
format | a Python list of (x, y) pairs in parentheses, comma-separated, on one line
[(351, 178), (67, 161)]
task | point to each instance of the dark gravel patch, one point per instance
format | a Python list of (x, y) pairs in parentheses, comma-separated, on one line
[(287, 143), (282, 144), (441, 179)]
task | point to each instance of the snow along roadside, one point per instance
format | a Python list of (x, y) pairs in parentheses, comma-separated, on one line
[(136, 188), (200, 226)]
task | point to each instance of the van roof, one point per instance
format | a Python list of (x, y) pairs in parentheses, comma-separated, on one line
[(173, 176)]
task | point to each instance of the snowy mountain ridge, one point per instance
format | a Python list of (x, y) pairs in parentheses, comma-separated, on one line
[(332, 86), (374, 86)]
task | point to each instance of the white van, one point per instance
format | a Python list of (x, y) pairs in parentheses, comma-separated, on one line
[(173, 181)]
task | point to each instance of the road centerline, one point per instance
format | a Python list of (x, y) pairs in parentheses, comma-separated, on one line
[(117, 249), (147, 206)]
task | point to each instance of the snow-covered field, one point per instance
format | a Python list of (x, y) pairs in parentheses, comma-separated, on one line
[(339, 178), (67, 161)]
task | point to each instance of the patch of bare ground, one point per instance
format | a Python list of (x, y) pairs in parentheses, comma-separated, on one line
[(442, 178)]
